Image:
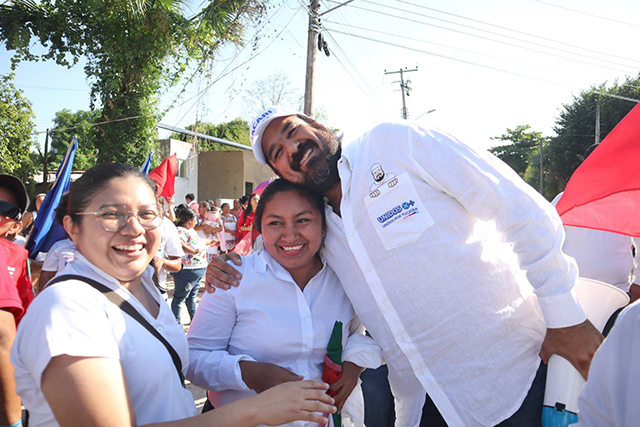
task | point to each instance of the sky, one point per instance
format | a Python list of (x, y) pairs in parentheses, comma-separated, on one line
[(483, 65)]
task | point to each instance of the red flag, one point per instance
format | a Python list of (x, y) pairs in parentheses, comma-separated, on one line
[(165, 176), (604, 192)]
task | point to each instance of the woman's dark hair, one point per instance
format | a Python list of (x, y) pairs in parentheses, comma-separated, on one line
[(244, 199), (205, 204), (249, 208), (281, 186), (63, 206), (223, 205), (93, 181), (185, 215), (190, 196)]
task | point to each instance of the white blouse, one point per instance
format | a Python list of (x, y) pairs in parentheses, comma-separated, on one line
[(269, 319), (73, 318)]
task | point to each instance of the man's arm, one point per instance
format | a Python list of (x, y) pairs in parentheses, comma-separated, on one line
[(525, 219), (10, 408)]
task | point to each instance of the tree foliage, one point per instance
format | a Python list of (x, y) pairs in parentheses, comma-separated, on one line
[(133, 48), (16, 130), (522, 142), (81, 125), (575, 126), (237, 130)]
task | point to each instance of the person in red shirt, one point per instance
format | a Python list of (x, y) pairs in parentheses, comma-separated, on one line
[(16, 292), (245, 223)]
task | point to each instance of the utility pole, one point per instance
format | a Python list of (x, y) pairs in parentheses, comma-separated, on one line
[(314, 27), (314, 33), (541, 170), (45, 172), (597, 123), (404, 87)]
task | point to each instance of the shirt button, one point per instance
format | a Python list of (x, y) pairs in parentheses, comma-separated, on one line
[(306, 347), (159, 329), (304, 374), (367, 269)]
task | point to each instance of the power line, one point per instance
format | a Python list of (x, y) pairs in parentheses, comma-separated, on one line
[(438, 44), (482, 65), (458, 48), (489, 38), (376, 101), (357, 71), (517, 31), (589, 14)]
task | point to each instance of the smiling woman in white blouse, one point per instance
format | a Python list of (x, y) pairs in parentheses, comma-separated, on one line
[(82, 359), (276, 325)]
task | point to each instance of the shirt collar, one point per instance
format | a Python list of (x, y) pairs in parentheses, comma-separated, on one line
[(79, 261)]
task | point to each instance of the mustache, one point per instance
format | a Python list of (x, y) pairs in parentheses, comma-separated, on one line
[(297, 157)]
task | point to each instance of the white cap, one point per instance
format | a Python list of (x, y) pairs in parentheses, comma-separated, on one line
[(259, 124)]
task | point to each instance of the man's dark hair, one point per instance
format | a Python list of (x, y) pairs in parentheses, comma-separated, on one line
[(190, 197)]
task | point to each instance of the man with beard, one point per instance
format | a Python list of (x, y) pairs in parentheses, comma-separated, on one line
[(458, 314)]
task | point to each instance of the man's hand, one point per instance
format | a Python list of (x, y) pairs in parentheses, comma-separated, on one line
[(576, 343), (222, 275), (345, 385), (634, 293), (262, 376)]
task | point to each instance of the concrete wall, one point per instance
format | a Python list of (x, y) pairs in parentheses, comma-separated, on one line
[(212, 175), (223, 174)]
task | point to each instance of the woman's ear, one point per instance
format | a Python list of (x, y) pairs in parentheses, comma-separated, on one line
[(71, 228)]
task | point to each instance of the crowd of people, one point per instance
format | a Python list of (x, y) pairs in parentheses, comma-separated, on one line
[(372, 248)]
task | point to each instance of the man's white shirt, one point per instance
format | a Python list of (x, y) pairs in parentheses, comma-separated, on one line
[(457, 311)]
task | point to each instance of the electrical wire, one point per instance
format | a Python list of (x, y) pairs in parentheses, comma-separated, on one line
[(482, 65), (489, 38), (517, 31), (589, 14)]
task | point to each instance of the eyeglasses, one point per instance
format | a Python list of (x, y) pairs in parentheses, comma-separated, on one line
[(115, 217), (10, 211)]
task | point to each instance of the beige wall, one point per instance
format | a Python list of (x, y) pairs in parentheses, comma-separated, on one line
[(222, 174)]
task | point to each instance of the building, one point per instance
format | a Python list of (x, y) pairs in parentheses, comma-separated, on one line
[(213, 175)]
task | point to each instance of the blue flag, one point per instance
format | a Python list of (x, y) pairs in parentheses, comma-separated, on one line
[(147, 165), (46, 230)]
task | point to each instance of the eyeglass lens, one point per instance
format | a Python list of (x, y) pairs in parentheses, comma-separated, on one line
[(115, 218)]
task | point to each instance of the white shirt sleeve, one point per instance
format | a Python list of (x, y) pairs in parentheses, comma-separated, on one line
[(491, 191), (66, 318), (210, 365), (610, 397), (51, 261), (361, 349), (173, 245)]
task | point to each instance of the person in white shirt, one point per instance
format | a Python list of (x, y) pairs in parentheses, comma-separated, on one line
[(60, 254), (610, 397), (168, 258), (81, 361), (460, 313), (275, 327), (230, 225)]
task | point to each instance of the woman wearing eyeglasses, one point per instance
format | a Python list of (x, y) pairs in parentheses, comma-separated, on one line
[(80, 360)]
